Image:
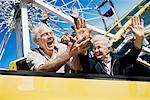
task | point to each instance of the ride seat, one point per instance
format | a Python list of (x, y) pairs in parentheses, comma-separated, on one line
[(19, 64)]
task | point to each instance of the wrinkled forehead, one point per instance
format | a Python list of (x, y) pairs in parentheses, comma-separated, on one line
[(44, 28), (97, 43), (102, 43)]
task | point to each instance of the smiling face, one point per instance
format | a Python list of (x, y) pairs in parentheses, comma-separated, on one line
[(101, 47), (46, 38), (100, 50)]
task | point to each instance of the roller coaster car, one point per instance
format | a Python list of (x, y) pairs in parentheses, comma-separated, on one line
[(142, 66), (45, 85)]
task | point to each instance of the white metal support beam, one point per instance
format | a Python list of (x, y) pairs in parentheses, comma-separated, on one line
[(25, 28), (18, 37), (54, 11), (64, 16)]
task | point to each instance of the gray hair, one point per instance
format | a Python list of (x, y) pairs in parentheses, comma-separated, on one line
[(102, 40), (35, 31)]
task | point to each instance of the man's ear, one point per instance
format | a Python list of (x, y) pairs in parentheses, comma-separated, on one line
[(37, 41)]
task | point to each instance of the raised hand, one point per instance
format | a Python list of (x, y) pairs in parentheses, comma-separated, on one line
[(76, 47), (75, 13), (81, 29), (45, 15), (137, 27)]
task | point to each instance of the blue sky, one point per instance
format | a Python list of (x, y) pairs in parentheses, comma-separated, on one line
[(122, 6)]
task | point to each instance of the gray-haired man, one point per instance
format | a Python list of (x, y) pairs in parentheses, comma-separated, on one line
[(51, 56)]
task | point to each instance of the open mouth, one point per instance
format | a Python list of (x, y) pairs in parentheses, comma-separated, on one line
[(49, 43), (98, 53)]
